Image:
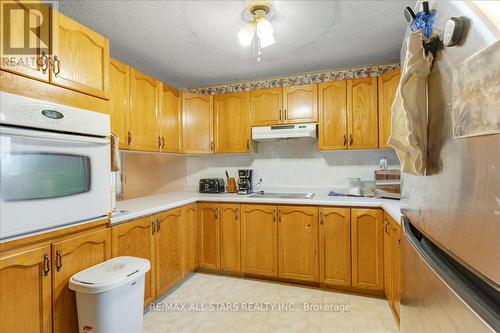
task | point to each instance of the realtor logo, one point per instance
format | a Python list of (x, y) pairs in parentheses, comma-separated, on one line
[(25, 28)]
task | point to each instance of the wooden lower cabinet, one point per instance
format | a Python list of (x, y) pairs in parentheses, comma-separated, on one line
[(230, 248), (168, 250), (367, 249), (298, 243), (26, 291), (70, 256), (209, 233), (259, 240), (335, 246), (190, 252), (136, 239), (392, 263)]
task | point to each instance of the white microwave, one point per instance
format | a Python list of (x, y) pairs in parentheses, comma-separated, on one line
[(54, 166)]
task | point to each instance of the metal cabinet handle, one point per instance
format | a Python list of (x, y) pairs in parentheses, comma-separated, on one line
[(387, 231), (280, 215), (158, 225), (236, 213), (129, 137), (162, 142), (212, 146), (350, 140), (56, 66), (321, 218), (46, 264), (280, 115), (248, 144), (286, 114), (58, 260), (159, 141), (217, 213), (274, 215), (345, 140), (153, 227), (44, 62)]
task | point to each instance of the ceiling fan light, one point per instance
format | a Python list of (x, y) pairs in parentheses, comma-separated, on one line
[(245, 35), (266, 40), (264, 27)]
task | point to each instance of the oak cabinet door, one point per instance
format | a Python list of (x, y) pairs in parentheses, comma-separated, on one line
[(170, 120), (35, 64), (388, 260), (190, 217), (298, 243), (397, 268), (266, 106), (25, 291), (80, 57), (335, 246), (143, 111), (118, 104), (197, 120), (230, 247), (362, 113), (69, 257), (387, 86), (209, 233), (259, 240), (136, 239), (168, 250), (367, 242), (332, 99), (232, 127), (300, 103)]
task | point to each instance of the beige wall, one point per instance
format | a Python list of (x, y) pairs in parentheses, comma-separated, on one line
[(147, 174)]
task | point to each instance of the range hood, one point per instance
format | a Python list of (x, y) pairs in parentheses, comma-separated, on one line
[(284, 132)]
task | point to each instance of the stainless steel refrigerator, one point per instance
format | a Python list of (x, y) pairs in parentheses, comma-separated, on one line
[(451, 245)]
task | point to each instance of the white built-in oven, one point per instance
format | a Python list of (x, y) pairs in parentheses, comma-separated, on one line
[(54, 166)]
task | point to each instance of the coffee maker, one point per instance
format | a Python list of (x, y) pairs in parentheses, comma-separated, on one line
[(245, 178)]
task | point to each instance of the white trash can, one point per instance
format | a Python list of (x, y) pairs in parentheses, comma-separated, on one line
[(110, 296)]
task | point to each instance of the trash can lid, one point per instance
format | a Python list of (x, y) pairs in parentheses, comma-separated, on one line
[(109, 275)]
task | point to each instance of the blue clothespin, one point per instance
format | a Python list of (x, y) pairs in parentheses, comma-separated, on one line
[(422, 20)]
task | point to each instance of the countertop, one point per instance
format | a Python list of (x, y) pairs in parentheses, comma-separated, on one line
[(153, 204)]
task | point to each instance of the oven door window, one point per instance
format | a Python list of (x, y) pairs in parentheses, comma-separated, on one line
[(34, 176)]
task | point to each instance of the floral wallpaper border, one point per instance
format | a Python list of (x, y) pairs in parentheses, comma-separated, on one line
[(296, 80)]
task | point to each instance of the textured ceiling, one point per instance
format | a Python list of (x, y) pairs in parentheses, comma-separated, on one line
[(193, 43)]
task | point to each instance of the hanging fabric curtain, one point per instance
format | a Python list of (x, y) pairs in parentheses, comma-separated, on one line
[(409, 109)]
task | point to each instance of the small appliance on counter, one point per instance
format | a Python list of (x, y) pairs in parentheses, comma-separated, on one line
[(388, 184), (245, 178), (212, 185)]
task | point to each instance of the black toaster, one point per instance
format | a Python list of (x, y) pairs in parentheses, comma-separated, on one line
[(212, 185)]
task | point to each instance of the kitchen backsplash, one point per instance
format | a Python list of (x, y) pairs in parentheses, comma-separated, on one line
[(292, 163)]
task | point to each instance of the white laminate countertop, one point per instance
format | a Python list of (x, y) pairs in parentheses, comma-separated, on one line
[(153, 204)]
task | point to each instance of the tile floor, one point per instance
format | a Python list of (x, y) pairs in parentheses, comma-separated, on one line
[(202, 293)]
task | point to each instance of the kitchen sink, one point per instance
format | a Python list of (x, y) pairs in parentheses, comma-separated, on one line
[(272, 195)]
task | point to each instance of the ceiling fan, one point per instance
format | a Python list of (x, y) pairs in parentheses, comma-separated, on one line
[(258, 25)]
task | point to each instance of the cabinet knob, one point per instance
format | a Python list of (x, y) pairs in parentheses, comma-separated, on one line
[(56, 67), (44, 62)]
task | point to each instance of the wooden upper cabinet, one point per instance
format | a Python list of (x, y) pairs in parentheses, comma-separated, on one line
[(332, 100), (80, 56), (298, 243), (170, 120), (25, 290), (335, 246), (69, 257), (232, 123), (266, 106), (209, 236), (118, 104), (135, 239), (387, 86), (259, 240), (190, 218), (33, 50), (168, 251), (144, 92), (300, 104), (230, 238), (362, 113), (197, 119), (367, 249)]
